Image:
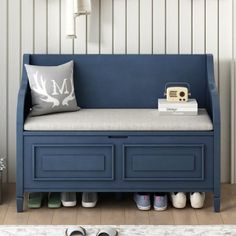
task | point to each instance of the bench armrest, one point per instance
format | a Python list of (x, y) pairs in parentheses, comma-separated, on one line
[(24, 98), (23, 104), (213, 103)]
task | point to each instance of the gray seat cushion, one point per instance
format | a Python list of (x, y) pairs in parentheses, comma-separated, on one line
[(118, 120)]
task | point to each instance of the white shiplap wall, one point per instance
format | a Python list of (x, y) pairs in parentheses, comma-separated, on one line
[(119, 26), (233, 100)]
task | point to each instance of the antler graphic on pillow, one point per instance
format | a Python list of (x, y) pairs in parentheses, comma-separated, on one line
[(40, 88), (71, 96)]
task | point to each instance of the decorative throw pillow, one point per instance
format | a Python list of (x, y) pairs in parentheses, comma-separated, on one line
[(52, 88)]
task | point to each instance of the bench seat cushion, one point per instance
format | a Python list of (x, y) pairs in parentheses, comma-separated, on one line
[(118, 120)]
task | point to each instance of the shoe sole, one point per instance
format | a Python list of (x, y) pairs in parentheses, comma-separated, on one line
[(179, 207), (160, 208), (68, 204), (89, 204), (142, 208), (197, 206)]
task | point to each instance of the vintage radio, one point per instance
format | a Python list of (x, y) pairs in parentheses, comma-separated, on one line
[(177, 93)]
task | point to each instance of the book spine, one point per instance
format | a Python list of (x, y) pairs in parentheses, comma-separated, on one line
[(178, 107), (172, 109), (183, 113)]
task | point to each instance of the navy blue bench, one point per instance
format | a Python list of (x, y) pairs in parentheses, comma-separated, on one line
[(122, 160)]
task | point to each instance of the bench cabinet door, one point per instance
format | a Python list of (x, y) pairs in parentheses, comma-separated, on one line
[(168, 162), (67, 162), (164, 162), (78, 161)]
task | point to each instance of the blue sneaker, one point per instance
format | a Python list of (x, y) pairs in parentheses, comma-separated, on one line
[(160, 201), (142, 201)]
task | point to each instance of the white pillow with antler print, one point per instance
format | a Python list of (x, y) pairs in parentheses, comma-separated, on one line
[(52, 88)]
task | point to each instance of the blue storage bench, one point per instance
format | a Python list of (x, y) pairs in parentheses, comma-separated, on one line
[(118, 142)]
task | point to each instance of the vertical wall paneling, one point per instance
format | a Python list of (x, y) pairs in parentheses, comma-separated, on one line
[(145, 26), (3, 80), (198, 26), (119, 26), (233, 131), (40, 26), (185, 26), (212, 32), (54, 26), (172, 26), (106, 33), (132, 26), (233, 101), (14, 56), (27, 27), (66, 44), (93, 33), (80, 43), (159, 40), (225, 56)]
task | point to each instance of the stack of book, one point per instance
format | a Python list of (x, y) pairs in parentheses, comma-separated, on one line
[(178, 108)]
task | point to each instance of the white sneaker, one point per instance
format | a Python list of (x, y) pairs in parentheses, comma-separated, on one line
[(68, 199), (178, 199), (197, 199), (89, 199)]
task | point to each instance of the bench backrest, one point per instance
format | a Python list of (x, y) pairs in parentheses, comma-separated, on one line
[(129, 81)]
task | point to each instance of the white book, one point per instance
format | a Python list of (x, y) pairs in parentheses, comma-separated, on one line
[(178, 108), (191, 103)]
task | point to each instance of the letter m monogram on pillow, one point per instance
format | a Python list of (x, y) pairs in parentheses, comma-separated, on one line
[(57, 89), (40, 88)]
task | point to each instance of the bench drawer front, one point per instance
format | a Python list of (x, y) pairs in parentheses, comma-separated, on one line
[(164, 162), (68, 162)]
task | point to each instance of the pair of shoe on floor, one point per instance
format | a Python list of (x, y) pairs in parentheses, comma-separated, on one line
[(88, 199), (78, 230), (143, 201), (67, 199), (160, 202), (179, 199), (37, 199)]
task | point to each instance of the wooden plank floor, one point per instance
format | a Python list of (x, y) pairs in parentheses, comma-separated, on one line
[(110, 210)]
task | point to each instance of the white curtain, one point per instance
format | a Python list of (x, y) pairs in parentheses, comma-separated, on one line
[(93, 30)]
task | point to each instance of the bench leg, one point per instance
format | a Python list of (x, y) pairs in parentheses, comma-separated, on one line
[(20, 203), (216, 202)]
